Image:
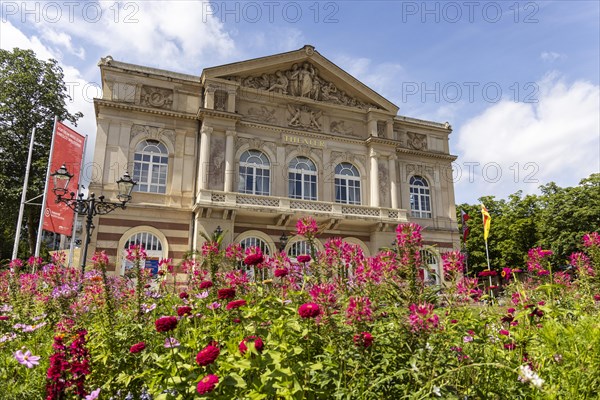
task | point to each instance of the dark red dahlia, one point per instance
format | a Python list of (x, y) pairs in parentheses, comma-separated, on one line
[(183, 295), (136, 348), (165, 324), (281, 272), (227, 293), (205, 284), (184, 310), (235, 304), (207, 384), (254, 259), (208, 355), (304, 258), (510, 346), (597, 297), (258, 344), (4, 317), (363, 339), (309, 310)]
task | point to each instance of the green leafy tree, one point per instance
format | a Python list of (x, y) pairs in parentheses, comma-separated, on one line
[(32, 92)]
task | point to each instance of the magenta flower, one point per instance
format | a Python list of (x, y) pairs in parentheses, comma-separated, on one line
[(27, 359), (591, 239), (94, 395), (307, 227), (422, 318)]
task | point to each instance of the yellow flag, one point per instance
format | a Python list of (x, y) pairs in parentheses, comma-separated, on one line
[(487, 220)]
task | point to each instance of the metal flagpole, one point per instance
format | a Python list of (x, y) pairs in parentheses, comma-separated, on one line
[(72, 245), (39, 233), (23, 197)]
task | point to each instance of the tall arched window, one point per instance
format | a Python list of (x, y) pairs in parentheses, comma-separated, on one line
[(302, 179), (151, 160), (420, 199), (347, 184), (153, 247), (298, 248), (255, 173)]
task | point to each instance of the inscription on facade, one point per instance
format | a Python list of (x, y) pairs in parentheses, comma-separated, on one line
[(302, 140)]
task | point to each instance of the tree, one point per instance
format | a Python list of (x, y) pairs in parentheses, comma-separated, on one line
[(32, 92)]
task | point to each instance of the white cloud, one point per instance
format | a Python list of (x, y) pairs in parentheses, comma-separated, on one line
[(384, 78), (551, 56), (556, 139)]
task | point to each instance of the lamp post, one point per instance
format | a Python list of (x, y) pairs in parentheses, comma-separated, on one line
[(283, 239), (91, 206)]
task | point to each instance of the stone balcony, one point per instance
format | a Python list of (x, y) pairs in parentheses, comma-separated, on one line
[(248, 204)]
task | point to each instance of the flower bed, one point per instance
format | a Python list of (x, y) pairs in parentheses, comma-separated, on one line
[(336, 325)]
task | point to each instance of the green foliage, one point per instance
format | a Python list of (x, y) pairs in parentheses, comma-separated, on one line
[(555, 220), (32, 92)]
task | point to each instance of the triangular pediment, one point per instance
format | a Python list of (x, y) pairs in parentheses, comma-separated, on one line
[(302, 74)]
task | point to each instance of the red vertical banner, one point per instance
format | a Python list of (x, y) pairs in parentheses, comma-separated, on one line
[(68, 150)]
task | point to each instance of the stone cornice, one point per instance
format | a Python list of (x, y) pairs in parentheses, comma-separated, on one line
[(132, 107), (441, 156), (423, 123), (206, 112), (378, 140), (109, 63)]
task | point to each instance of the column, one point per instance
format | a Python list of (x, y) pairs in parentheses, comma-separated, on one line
[(209, 97), (374, 179), (393, 184), (389, 129), (231, 94), (205, 133), (229, 160)]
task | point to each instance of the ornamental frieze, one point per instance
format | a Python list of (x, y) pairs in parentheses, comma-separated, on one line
[(262, 114), (416, 141), (301, 80), (156, 97), (152, 132), (302, 116)]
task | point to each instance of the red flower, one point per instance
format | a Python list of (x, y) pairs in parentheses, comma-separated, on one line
[(364, 339), (136, 348), (208, 355), (184, 310), (165, 324), (207, 384), (309, 310), (281, 272), (504, 332), (254, 259), (597, 297), (183, 295), (235, 304), (205, 284), (227, 293), (4, 317), (236, 320), (510, 346), (258, 344), (304, 258)]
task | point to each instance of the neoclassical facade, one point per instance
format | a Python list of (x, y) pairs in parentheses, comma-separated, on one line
[(252, 146)]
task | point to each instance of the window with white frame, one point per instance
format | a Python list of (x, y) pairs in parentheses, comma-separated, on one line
[(255, 173), (150, 166), (430, 267), (151, 244), (260, 273), (420, 199), (302, 176), (298, 248), (347, 184)]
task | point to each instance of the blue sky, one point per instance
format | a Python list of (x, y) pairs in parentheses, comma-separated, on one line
[(518, 80)]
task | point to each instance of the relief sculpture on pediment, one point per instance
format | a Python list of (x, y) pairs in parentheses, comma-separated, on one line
[(156, 97), (301, 80), (262, 114)]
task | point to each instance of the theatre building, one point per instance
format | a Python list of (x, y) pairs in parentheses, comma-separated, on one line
[(253, 146)]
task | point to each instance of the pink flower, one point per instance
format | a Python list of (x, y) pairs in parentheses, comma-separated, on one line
[(307, 227), (136, 348), (234, 252), (304, 258), (99, 258), (235, 304), (535, 258), (510, 346), (205, 284), (454, 263), (422, 318), (27, 359), (209, 249), (363, 339), (136, 252), (591, 239), (94, 395), (257, 341), (208, 355), (359, 310), (207, 384), (254, 259), (171, 342), (281, 272), (504, 332), (309, 310)]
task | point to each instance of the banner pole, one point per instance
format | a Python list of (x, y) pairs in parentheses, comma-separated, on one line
[(72, 244), (23, 197), (40, 227)]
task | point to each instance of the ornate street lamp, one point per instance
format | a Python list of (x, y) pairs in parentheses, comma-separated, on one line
[(283, 239), (90, 206), (218, 231)]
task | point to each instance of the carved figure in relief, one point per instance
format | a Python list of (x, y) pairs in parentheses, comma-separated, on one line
[(306, 80), (316, 89), (262, 114), (281, 85), (417, 141), (341, 128), (294, 79), (304, 117)]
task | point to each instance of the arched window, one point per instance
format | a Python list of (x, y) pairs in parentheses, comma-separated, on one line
[(431, 273), (420, 200), (298, 248), (255, 173), (302, 179), (153, 247), (151, 160), (347, 184), (262, 273)]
